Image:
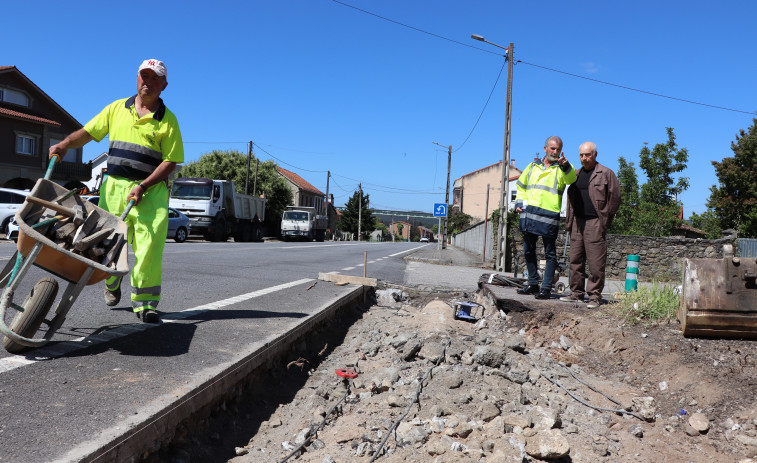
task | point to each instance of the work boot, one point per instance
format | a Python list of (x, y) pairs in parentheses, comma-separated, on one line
[(530, 289), (148, 316), (544, 293), (112, 297), (594, 302)]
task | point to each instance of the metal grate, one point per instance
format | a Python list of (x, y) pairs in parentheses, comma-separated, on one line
[(747, 247)]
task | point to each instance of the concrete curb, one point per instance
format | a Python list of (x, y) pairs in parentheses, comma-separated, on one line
[(130, 440)]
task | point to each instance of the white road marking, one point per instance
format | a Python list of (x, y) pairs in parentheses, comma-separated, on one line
[(404, 252), (62, 348)]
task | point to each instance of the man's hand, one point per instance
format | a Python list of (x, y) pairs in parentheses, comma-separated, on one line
[(518, 210), (136, 193), (58, 150), (562, 160), (75, 140)]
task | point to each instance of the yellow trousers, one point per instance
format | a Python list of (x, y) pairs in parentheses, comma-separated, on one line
[(148, 225)]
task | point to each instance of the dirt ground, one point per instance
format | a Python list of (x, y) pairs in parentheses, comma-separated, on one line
[(528, 381)]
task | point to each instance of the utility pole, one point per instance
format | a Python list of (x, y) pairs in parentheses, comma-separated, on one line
[(504, 199), (359, 210), (247, 174), (328, 177), (255, 182), (446, 195)]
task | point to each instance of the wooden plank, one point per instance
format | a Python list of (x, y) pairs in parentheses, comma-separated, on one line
[(347, 279), (91, 240)]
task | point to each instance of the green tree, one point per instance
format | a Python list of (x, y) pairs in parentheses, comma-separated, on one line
[(458, 221), (629, 198), (415, 234), (734, 201), (660, 164), (709, 222), (232, 165), (351, 212), (655, 209), (400, 227)]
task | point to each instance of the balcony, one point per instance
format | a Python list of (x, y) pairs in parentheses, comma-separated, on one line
[(69, 171)]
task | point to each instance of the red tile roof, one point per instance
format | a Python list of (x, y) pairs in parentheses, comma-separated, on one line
[(298, 181), (28, 117)]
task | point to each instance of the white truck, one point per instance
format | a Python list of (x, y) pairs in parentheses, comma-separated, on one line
[(216, 211), (299, 222)]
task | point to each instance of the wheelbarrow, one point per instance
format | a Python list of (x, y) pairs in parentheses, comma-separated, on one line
[(49, 204)]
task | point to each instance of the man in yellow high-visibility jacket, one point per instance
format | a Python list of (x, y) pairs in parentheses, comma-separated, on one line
[(144, 147), (539, 199)]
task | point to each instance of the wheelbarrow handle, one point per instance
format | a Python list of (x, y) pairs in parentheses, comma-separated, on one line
[(128, 208), (51, 166)]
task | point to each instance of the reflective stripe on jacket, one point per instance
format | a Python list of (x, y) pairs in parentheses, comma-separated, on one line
[(540, 191)]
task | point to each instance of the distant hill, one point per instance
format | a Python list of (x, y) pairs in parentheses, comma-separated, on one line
[(416, 218)]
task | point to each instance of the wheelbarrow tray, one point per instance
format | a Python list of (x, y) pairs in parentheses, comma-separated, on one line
[(56, 259)]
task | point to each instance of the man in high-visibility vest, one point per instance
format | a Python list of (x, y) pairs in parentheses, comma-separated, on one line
[(144, 147), (539, 199)]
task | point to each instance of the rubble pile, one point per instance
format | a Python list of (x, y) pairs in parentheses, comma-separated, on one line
[(433, 388)]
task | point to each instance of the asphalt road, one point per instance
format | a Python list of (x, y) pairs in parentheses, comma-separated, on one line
[(198, 273), (104, 371)]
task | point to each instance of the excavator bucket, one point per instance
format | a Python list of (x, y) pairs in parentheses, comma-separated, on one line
[(719, 297)]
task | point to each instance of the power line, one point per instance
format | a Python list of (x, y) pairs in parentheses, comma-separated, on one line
[(396, 190), (414, 28), (636, 89), (290, 165), (550, 69), (484, 108)]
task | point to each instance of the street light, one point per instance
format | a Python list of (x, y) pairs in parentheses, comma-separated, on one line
[(505, 193)]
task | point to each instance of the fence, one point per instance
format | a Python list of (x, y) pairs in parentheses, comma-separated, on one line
[(472, 240), (747, 247), (661, 258)]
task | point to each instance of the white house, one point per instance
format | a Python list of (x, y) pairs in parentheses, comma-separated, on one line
[(99, 166)]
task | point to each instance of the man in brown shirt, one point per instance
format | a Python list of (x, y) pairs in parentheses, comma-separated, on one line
[(593, 201)]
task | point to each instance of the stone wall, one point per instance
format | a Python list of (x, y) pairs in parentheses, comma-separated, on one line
[(661, 258)]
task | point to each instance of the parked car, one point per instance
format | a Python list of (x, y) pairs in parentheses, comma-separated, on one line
[(178, 225), (12, 229), (10, 201), (424, 239), (94, 199)]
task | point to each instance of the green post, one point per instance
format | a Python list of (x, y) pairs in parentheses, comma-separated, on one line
[(632, 272)]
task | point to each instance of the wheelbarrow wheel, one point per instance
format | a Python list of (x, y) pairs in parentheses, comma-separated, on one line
[(35, 307)]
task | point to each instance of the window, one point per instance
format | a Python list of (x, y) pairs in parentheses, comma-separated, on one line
[(6, 197), (25, 145), (70, 155), (13, 96)]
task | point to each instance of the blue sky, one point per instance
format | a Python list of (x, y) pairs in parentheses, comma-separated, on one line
[(322, 86)]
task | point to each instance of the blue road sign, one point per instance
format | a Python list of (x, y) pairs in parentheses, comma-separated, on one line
[(440, 210)]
